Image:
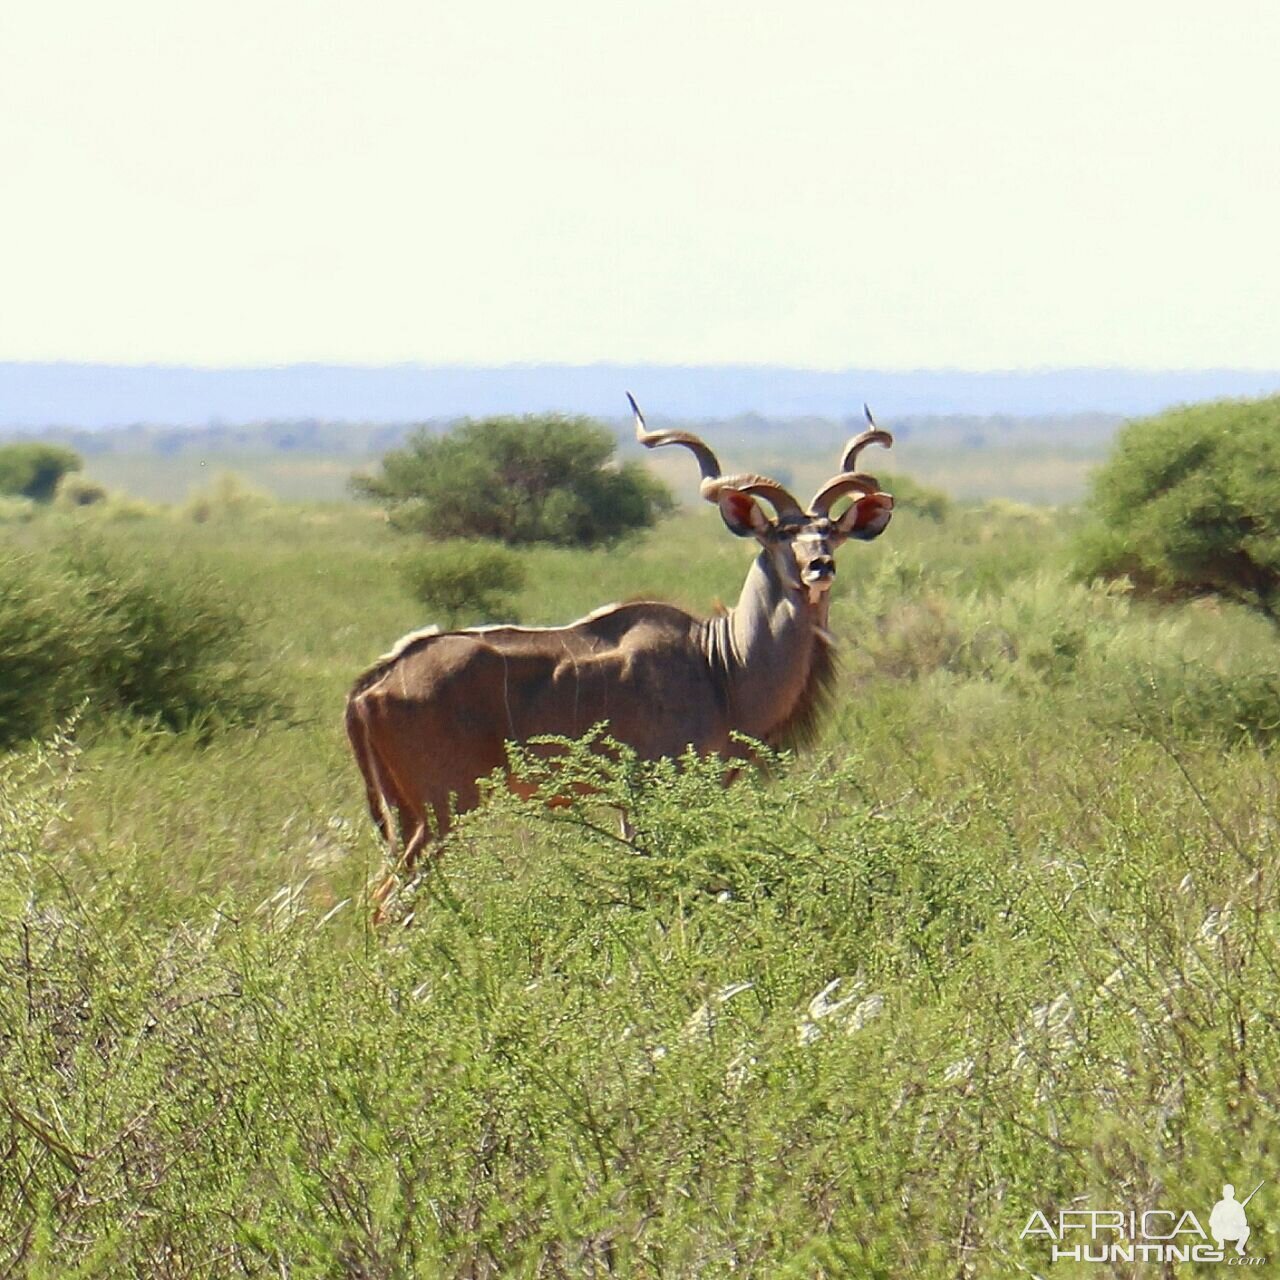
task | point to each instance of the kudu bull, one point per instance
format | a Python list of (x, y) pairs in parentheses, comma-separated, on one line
[(432, 718)]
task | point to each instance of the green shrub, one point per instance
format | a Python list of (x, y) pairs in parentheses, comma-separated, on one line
[(518, 480), (1197, 703), (33, 470), (998, 517), (41, 649), (75, 490), (1189, 504), (170, 649), (78, 626), (465, 581), (911, 495), (228, 497), (120, 508)]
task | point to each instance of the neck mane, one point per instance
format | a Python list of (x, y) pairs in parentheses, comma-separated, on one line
[(774, 657)]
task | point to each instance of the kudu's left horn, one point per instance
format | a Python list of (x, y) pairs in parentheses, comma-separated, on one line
[(713, 483)]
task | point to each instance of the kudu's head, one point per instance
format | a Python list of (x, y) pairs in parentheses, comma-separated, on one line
[(801, 542)]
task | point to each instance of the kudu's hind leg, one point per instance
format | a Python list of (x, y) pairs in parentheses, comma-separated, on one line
[(421, 834), (379, 896), (401, 866), (421, 838)]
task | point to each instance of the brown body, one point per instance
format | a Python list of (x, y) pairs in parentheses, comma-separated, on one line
[(432, 718)]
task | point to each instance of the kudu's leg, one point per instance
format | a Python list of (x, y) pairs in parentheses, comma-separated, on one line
[(422, 834), (401, 866), (380, 895)]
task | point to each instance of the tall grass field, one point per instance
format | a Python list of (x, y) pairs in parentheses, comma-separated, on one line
[(1004, 942)]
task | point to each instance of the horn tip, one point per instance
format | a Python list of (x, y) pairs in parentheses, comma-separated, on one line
[(866, 408), (635, 408)]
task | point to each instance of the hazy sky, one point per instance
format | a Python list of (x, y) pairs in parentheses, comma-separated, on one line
[(976, 184)]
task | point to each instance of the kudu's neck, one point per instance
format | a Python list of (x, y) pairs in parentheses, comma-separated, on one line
[(766, 648)]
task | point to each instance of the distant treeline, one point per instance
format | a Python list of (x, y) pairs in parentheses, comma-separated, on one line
[(1086, 434)]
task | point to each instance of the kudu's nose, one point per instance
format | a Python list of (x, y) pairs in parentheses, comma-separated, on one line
[(819, 569)]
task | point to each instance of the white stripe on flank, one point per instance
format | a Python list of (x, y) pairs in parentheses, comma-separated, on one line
[(425, 633), (405, 641), (568, 626)]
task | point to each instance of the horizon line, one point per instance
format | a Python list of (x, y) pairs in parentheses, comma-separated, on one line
[(614, 363)]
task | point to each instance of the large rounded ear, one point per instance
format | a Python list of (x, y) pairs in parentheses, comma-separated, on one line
[(867, 518), (742, 513)]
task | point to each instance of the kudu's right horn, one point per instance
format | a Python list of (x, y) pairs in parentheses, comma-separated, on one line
[(848, 480)]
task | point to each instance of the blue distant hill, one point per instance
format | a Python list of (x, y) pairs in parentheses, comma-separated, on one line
[(36, 395)]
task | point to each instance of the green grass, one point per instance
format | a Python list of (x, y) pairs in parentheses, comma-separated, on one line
[(292, 477), (1035, 845)]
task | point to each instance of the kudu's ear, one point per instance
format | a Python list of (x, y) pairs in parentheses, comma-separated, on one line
[(742, 514), (867, 518)]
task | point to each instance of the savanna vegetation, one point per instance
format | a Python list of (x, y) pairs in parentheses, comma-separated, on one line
[(1042, 460), (1005, 940)]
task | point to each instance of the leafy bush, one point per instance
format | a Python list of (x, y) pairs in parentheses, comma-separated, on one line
[(33, 470), (75, 490), (79, 627), (465, 581), (40, 649), (519, 480), (1189, 503), (1196, 702), (121, 508), (911, 495), (228, 497)]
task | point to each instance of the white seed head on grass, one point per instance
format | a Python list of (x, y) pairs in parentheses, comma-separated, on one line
[(851, 1011)]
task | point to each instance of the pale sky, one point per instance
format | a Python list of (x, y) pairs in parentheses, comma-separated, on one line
[(970, 184)]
